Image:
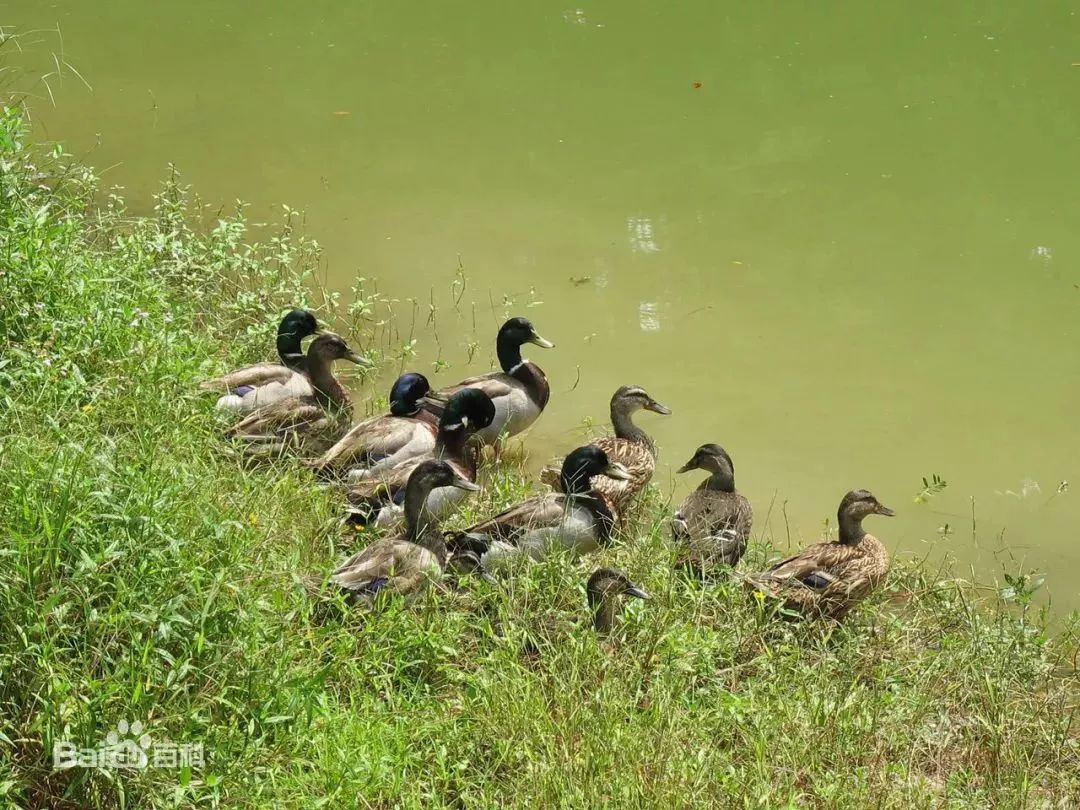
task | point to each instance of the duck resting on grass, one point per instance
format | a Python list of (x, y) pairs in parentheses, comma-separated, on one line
[(829, 579), (408, 562), (602, 592), (377, 496), (250, 388), (630, 446), (579, 518), (304, 424), (382, 442), (712, 527), (520, 391)]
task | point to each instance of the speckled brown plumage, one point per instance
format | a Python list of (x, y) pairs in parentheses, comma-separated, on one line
[(712, 526), (829, 579)]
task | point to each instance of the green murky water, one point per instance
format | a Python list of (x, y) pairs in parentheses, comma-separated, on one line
[(840, 242)]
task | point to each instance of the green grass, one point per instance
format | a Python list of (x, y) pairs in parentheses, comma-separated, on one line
[(144, 575)]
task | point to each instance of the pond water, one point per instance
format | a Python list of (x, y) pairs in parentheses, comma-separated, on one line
[(842, 244)]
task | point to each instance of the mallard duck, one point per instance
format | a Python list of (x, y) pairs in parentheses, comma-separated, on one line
[(249, 388), (306, 424), (520, 391), (378, 494), (602, 592), (406, 563), (579, 518), (630, 446), (829, 579), (382, 442), (712, 527)]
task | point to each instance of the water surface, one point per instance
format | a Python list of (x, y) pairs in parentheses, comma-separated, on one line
[(840, 242)]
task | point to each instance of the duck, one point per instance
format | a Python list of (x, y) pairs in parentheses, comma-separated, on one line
[(712, 526), (382, 442), (828, 579), (520, 391), (602, 590), (406, 563), (306, 424), (630, 446), (579, 518), (377, 496), (249, 388)]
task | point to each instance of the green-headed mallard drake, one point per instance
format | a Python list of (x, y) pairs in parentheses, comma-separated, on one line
[(630, 446), (382, 442), (712, 527), (829, 579), (602, 592), (406, 563), (378, 495), (307, 424), (249, 388), (520, 391), (578, 518)]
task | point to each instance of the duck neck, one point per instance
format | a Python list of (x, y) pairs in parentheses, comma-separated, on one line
[(509, 351), (575, 485), (289, 348), (625, 428), (451, 443), (851, 530), (328, 391), (722, 480), (603, 612), (422, 527)]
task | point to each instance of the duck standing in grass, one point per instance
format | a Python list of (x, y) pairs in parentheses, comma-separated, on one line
[(304, 424), (378, 495), (631, 447), (249, 388), (406, 563), (579, 518), (829, 579), (602, 592), (520, 391), (712, 527), (382, 442)]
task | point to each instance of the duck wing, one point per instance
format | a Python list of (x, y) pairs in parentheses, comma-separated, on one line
[(376, 439), (495, 384), (541, 511), (293, 415), (392, 563), (252, 377)]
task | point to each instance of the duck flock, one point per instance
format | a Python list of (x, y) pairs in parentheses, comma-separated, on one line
[(406, 470)]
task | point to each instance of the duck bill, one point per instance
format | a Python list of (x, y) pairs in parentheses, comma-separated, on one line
[(465, 484), (687, 467), (884, 511), (542, 342), (359, 359), (617, 471), (656, 407), (636, 592)]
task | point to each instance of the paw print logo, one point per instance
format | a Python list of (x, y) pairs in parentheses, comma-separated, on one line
[(127, 746)]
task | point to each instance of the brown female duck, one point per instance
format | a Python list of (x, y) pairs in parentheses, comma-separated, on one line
[(829, 579), (712, 526), (631, 447)]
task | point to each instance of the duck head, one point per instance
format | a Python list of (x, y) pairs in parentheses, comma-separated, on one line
[(856, 505), (294, 327), (433, 474), (632, 398), (585, 462), (466, 412), (406, 393), (602, 589), (328, 347), (713, 459), (514, 334)]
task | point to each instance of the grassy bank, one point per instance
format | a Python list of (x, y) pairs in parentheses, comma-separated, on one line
[(144, 576)]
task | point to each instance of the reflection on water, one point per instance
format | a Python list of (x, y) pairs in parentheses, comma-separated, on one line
[(834, 219)]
